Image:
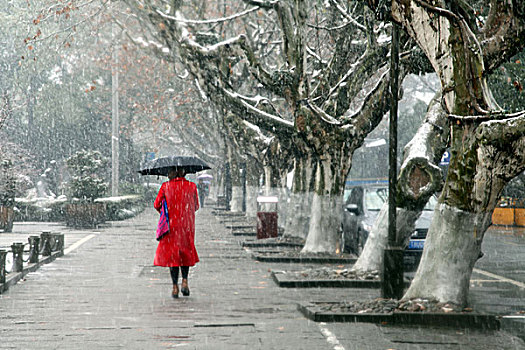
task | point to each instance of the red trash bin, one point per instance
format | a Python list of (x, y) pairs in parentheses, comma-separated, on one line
[(267, 218)]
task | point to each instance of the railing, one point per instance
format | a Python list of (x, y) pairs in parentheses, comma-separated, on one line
[(47, 244)]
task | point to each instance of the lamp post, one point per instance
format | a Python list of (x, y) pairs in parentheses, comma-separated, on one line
[(392, 273), (114, 116)]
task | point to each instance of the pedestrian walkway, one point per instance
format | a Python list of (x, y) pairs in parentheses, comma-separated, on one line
[(105, 294)]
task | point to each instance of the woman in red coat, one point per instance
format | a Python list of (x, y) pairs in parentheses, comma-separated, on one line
[(177, 247)]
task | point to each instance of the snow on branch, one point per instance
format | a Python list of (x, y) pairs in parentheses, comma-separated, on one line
[(504, 130), (201, 92), (313, 54), (263, 3), (366, 93), (325, 116), (419, 176), (348, 74), (186, 37), (347, 16), (260, 136), (274, 119), (490, 116), (209, 21)]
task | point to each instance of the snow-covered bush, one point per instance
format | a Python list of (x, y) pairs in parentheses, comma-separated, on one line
[(122, 207), (40, 209), (7, 184), (86, 184)]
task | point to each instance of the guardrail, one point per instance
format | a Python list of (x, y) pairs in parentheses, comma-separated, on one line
[(41, 250)]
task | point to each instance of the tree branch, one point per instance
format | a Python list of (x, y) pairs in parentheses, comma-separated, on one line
[(419, 176), (261, 118), (503, 35), (345, 14), (210, 21)]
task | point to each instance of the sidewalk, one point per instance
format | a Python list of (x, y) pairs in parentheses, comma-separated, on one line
[(22, 230), (107, 295)]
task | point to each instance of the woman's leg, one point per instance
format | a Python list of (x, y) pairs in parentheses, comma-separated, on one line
[(185, 271), (174, 272), (184, 285)]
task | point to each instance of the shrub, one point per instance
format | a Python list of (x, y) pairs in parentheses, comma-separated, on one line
[(7, 184), (122, 207), (86, 183)]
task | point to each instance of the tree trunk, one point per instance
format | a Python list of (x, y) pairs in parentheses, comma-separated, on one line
[(237, 188), (419, 178), (252, 188), (300, 204), (452, 248), (326, 211), (485, 152), (371, 259)]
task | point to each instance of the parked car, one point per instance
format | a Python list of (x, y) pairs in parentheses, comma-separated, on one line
[(362, 205), (361, 208), (414, 249)]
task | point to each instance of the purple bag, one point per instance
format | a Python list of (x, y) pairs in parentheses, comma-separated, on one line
[(164, 222)]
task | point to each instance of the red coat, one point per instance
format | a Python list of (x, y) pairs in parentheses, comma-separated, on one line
[(177, 248)]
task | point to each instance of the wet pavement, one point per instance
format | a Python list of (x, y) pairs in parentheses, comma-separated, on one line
[(106, 294)]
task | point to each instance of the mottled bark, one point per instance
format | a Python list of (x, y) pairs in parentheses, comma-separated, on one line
[(326, 210), (419, 178), (297, 224), (481, 164), (451, 250), (253, 174)]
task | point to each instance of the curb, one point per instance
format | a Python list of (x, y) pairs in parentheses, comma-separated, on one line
[(224, 213), (270, 245), (244, 233), (313, 260), (291, 283), (473, 321), (13, 279), (240, 227)]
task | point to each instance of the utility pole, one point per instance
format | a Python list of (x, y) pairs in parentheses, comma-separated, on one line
[(114, 115), (392, 274)]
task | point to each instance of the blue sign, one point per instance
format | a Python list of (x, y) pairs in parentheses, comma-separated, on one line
[(445, 159)]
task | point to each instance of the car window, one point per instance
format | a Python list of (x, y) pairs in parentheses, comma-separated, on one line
[(431, 204), (375, 197)]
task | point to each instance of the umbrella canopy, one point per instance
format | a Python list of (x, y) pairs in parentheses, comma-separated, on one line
[(161, 166), (205, 176)]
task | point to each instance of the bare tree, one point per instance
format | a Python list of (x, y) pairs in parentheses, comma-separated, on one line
[(318, 78), (487, 146)]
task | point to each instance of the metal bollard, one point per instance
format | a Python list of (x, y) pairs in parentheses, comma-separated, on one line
[(58, 242), (45, 243), (34, 248), (18, 256), (3, 256)]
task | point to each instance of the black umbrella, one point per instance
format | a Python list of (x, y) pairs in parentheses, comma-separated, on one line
[(161, 166)]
